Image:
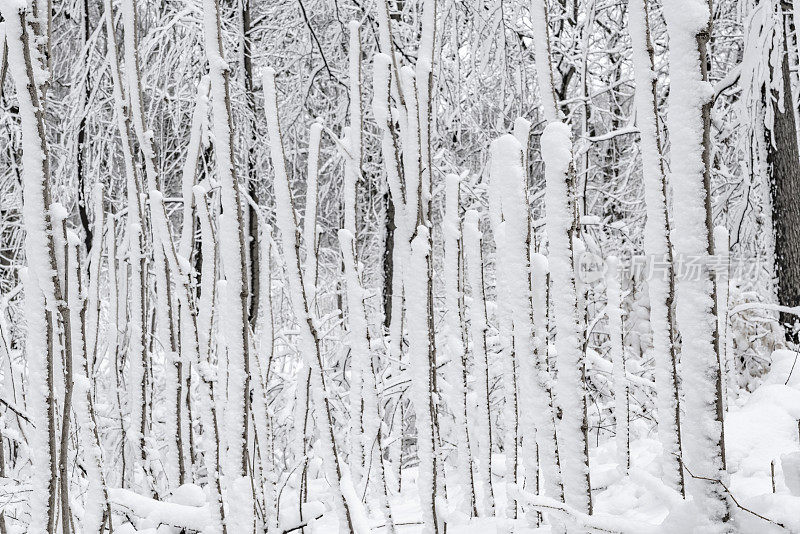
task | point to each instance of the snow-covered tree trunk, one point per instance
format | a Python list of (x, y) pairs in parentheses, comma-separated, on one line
[(723, 279), (657, 244), (42, 504), (352, 171), (420, 391), (138, 354), (383, 84), (688, 24), (203, 325), (508, 355), (265, 348), (622, 414), (310, 275), (536, 412), (506, 285), (93, 294), (571, 387), (392, 162), (424, 84), (311, 264), (456, 351), (543, 59), (234, 256), (117, 289), (359, 341), (250, 141), (310, 341), (424, 87), (478, 325), (43, 292), (388, 81), (781, 146), (69, 345), (97, 502), (552, 484)]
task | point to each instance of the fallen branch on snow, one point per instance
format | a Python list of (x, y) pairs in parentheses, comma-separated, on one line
[(180, 516), (582, 521), (736, 502)]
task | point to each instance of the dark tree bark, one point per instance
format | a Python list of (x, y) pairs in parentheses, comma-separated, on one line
[(784, 175), (388, 263), (254, 264), (81, 171)]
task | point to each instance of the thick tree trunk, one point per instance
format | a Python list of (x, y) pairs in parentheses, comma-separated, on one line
[(784, 177)]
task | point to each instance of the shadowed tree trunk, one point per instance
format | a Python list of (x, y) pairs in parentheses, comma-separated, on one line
[(388, 262), (784, 177), (81, 150), (252, 180)]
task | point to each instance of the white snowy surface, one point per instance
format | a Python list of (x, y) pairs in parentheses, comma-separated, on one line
[(762, 429)]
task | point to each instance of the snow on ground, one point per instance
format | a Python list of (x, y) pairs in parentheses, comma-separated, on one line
[(762, 432)]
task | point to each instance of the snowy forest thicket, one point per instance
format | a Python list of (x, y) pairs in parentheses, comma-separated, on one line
[(399, 266)]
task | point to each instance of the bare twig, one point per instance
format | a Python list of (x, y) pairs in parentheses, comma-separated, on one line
[(301, 525), (19, 413), (736, 502), (316, 40)]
